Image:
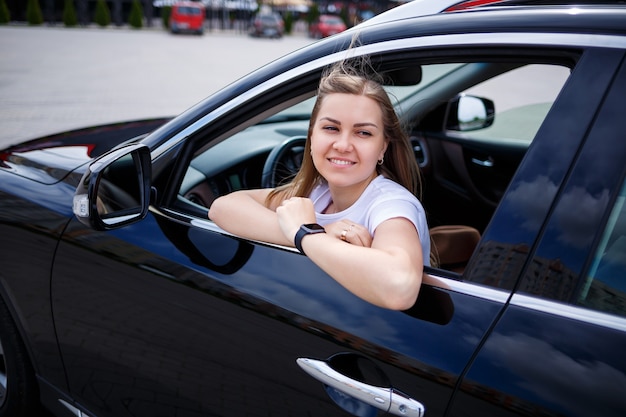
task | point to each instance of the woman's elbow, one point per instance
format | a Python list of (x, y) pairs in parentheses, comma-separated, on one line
[(404, 294), (217, 210)]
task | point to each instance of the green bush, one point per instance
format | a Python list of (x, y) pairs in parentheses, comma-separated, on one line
[(34, 16), (135, 19), (288, 22), (5, 14), (102, 15), (314, 13), (70, 18), (346, 17), (166, 12)]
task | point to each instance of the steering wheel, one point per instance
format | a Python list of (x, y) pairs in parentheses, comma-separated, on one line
[(283, 162)]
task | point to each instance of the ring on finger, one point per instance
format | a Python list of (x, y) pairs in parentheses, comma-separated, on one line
[(344, 232)]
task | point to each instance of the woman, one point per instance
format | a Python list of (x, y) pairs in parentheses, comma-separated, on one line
[(352, 207)]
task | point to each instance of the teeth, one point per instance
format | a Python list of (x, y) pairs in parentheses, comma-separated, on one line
[(340, 162)]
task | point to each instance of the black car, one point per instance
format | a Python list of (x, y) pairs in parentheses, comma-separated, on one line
[(121, 298), (268, 25)]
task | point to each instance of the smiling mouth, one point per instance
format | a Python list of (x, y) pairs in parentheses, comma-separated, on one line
[(341, 161)]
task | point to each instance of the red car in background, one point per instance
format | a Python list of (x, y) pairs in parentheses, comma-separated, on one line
[(187, 16), (326, 25)]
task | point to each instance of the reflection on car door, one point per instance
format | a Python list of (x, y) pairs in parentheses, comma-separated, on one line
[(181, 319)]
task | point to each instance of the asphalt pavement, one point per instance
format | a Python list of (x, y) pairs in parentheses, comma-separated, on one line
[(54, 79)]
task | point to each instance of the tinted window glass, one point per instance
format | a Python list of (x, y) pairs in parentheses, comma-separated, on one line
[(605, 286)]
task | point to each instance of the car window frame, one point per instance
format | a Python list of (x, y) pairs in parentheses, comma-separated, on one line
[(274, 86)]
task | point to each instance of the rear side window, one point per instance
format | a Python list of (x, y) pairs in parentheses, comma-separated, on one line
[(605, 286)]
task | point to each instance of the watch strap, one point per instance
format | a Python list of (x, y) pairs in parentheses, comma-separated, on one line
[(306, 229)]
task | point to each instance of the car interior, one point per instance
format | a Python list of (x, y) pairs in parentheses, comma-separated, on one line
[(470, 123)]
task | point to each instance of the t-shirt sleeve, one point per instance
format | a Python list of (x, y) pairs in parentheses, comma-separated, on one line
[(394, 208), (390, 209)]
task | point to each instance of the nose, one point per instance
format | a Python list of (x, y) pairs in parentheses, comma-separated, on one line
[(343, 142)]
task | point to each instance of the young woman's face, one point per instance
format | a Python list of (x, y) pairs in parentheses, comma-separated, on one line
[(347, 140)]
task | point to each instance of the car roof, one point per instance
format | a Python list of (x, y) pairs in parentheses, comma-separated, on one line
[(416, 8)]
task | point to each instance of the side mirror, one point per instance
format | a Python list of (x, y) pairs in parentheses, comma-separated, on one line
[(115, 190), (466, 113)]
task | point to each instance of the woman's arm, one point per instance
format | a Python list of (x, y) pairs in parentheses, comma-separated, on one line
[(244, 214), (388, 273)]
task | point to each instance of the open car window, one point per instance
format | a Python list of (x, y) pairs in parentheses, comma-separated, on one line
[(466, 166)]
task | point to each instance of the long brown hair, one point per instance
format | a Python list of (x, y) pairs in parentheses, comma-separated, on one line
[(356, 77)]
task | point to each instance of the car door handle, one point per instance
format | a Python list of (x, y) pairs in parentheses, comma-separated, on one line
[(488, 163), (389, 399)]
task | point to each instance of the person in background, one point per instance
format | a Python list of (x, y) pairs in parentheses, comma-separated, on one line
[(352, 206)]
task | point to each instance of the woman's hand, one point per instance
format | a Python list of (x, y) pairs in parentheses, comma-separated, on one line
[(294, 212), (350, 232)]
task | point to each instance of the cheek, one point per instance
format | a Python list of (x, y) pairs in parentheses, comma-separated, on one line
[(317, 144)]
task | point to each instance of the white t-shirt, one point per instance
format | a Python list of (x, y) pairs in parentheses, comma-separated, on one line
[(383, 199)]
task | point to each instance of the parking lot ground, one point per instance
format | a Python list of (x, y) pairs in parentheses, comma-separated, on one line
[(54, 79)]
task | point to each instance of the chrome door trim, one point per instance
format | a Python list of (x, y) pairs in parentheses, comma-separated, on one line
[(534, 303), (570, 311)]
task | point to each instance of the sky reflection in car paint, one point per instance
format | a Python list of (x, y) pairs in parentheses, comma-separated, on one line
[(536, 347), (315, 296)]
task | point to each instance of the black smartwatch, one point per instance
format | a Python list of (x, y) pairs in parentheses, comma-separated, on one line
[(306, 229)]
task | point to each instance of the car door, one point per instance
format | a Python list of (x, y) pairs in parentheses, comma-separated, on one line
[(557, 349), (154, 320), (173, 316)]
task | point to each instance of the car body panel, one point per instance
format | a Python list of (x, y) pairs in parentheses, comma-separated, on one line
[(305, 310), (51, 158)]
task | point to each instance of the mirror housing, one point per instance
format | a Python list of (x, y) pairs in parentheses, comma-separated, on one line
[(466, 113), (115, 190)]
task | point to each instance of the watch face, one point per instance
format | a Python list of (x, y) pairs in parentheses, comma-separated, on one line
[(313, 226)]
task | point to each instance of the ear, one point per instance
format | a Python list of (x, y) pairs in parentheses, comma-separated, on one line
[(383, 150)]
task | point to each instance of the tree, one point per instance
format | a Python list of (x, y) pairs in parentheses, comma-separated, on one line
[(102, 15), (5, 14), (314, 13), (288, 22), (166, 12), (34, 16), (70, 18), (135, 19)]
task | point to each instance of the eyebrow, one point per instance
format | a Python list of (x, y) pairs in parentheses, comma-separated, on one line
[(330, 119)]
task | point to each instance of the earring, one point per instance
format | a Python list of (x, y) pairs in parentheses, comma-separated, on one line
[(380, 161)]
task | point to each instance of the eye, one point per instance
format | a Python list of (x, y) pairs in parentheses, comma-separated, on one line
[(330, 128), (365, 133)]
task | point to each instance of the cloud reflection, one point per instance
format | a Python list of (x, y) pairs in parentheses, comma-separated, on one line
[(582, 387)]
